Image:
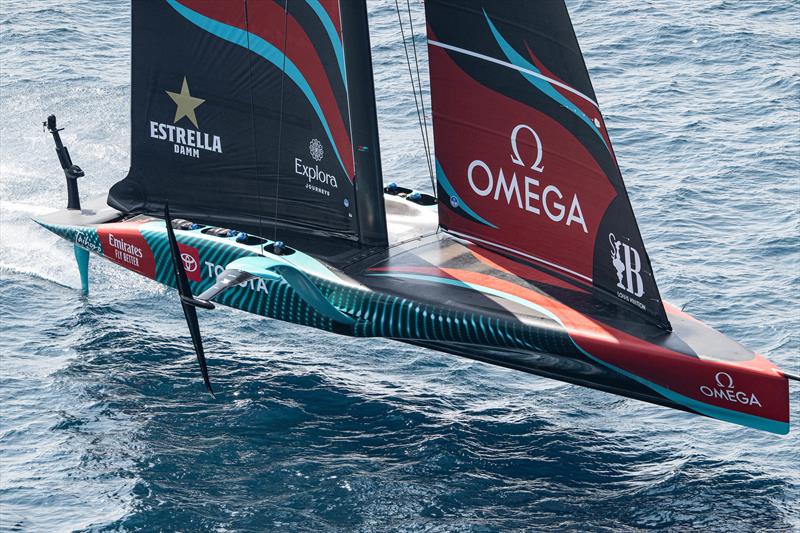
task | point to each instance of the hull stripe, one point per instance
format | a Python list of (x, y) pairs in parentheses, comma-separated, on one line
[(713, 411)]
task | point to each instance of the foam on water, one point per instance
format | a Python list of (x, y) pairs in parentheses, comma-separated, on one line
[(105, 423)]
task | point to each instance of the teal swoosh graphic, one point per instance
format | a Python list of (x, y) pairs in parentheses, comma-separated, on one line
[(266, 50), (448, 188), (515, 58), (333, 35), (713, 411)]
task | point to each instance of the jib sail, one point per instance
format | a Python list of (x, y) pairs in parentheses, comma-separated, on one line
[(240, 116), (524, 163)]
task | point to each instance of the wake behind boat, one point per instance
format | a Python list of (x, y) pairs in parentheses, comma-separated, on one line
[(255, 124)]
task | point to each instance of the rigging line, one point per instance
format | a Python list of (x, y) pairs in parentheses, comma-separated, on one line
[(414, 91), (280, 119), (421, 105), (421, 98), (354, 203), (253, 126)]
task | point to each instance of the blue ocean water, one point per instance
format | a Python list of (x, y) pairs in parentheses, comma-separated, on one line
[(104, 422)]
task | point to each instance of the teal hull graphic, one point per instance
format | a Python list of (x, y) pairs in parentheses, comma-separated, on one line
[(471, 310)]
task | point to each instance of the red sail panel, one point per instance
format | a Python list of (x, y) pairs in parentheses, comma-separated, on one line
[(524, 162)]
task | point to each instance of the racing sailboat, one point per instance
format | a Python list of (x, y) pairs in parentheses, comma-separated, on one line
[(255, 183)]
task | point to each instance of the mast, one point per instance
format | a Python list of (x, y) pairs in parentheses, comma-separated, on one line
[(371, 212)]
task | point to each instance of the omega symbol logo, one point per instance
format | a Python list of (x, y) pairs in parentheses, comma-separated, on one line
[(524, 185), (628, 265), (316, 150), (188, 262), (724, 380), (515, 157)]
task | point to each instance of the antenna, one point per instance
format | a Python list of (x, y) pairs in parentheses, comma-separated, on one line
[(71, 171)]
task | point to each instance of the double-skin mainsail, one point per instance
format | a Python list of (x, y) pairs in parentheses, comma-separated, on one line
[(242, 115)]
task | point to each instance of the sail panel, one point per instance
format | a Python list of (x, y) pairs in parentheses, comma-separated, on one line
[(266, 82), (190, 115), (312, 170), (523, 160)]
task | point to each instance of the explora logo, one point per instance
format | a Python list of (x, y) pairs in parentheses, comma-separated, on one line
[(316, 150), (628, 264), (318, 180), (725, 390)]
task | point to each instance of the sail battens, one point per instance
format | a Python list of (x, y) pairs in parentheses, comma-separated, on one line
[(515, 67)]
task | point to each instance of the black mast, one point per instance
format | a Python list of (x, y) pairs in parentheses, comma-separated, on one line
[(363, 123)]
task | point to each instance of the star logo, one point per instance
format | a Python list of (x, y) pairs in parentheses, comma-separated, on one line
[(186, 104)]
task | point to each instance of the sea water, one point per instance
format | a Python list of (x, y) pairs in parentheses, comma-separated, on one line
[(104, 421)]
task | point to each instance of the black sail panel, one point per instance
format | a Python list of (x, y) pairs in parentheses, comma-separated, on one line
[(192, 140), (240, 116), (306, 113), (524, 163)]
